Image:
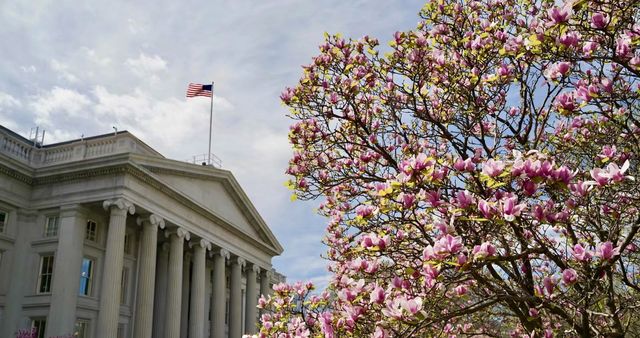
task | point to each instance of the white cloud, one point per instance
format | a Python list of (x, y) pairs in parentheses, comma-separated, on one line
[(8, 104), (8, 101), (144, 65), (96, 58), (63, 71), (28, 69), (134, 26), (58, 103)]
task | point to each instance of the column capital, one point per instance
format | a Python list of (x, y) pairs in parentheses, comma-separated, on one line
[(224, 253), (119, 203), (267, 273), (202, 242), (179, 231), (253, 267), (152, 219), (239, 261)]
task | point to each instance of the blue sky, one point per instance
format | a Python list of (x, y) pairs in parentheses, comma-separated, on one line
[(81, 67)]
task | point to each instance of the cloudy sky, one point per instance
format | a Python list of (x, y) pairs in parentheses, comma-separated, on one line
[(81, 67)]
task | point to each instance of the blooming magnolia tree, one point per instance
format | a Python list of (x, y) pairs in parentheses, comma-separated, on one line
[(478, 179)]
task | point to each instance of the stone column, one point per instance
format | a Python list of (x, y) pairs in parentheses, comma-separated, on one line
[(66, 272), (252, 300), (265, 284), (112, 272), (147, 275), (219, 293), (160, 302), (174, 285), (17, 259), (235, 303), (186, 285), (208, 309), (197, 315)]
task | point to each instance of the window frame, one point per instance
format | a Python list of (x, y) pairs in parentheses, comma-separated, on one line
[(127, 244), (82, 325), (47, 230), (91, 234), (124, 282), (89, 278), (45, 275), (40, 324), (5, 221)]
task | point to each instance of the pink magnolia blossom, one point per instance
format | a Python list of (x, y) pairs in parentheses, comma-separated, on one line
[(380, 333), (464, 165), (599, 20), (493, 168), (412, 305), (529, 187), (461, 290), (565, 101), (589, 47), (623, 47), (580, 253), (464, 199), (407, 200), (612, 173), (608, 152), (580, 188), (287, 95), (484, 250), (365, 211), (570, 39), (557, 70), (485, 208), (448, 245), (559, 15), (511, 210), (606, 251), (569, 276), (549, 285), (377, 295)]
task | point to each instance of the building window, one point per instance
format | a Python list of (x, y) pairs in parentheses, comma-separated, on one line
[(82, 328), (92, 231), (127, 244), (86, 276), (123, 286), (46, 274), (39, 325), (4, 218), (51, 226)]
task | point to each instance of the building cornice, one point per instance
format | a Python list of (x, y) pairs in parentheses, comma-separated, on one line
[(13, 173)]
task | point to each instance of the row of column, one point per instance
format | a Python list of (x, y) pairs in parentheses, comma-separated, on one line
[(169, 304)]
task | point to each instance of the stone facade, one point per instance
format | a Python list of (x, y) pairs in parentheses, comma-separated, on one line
[(104, 237)]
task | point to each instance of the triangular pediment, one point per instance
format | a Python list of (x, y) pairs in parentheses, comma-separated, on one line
[(217, 191)]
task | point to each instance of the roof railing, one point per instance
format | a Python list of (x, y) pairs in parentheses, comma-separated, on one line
[(206, 159)]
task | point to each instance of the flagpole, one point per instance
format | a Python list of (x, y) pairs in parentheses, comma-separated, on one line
[(210, 126)]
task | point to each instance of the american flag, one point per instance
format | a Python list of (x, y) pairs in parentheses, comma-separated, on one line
[(197, 89)]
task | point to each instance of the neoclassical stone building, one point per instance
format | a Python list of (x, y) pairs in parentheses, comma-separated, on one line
[(106, 238)]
